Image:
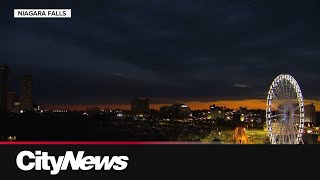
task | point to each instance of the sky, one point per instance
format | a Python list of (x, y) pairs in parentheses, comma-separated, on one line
[(198, 52)]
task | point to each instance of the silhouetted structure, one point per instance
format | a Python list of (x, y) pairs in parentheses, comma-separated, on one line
[(11, 99), (17, 106), (179, 111), (140, 105), (164, 112), (26, 93), (310, 113), (216, 112), (4, 69)]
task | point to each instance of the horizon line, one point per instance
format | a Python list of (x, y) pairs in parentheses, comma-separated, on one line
[(253, 104)]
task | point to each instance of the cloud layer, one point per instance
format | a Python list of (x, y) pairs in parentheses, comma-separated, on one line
[(169, 50)]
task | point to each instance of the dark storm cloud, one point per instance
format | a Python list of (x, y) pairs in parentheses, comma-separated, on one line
[(191, 50)]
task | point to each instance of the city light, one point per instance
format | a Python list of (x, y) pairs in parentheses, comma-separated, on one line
[(175, 122)]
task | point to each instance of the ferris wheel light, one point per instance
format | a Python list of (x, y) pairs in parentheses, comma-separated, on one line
[(285, 96)]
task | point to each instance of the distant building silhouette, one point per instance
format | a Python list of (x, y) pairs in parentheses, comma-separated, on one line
[(11, 99), (216, 112), (164, 112), (140, 105), (179, 111), (17, 106), (310, 113), (26, 93), (175, 111), (4, 70)]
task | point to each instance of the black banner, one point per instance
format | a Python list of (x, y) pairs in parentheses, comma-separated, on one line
[(177, 161)]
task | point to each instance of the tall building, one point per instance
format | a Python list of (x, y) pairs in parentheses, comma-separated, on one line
[(216, 112), (164, 112), (241, 115), (26, 93), (180, 111), (4, 70), (140, 105), (11, 97), (17, 106), (310, 113)]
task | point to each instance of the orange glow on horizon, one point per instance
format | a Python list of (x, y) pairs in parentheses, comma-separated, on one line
[(194, 105)]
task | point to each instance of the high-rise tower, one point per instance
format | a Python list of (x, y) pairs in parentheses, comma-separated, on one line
[(4, 70), (140, 105), (310, 113), (26, 93), (11, 99)]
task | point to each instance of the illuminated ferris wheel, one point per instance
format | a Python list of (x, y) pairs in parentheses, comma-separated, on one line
[(285, 111)]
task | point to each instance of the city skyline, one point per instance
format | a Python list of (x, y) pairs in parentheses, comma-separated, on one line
[(250, 104), (194, 105)]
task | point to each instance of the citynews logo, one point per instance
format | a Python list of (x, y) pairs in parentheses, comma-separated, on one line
[(41, 161)]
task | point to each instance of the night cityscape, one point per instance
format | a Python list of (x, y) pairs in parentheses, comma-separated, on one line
[(24, 120), (209, 71)]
